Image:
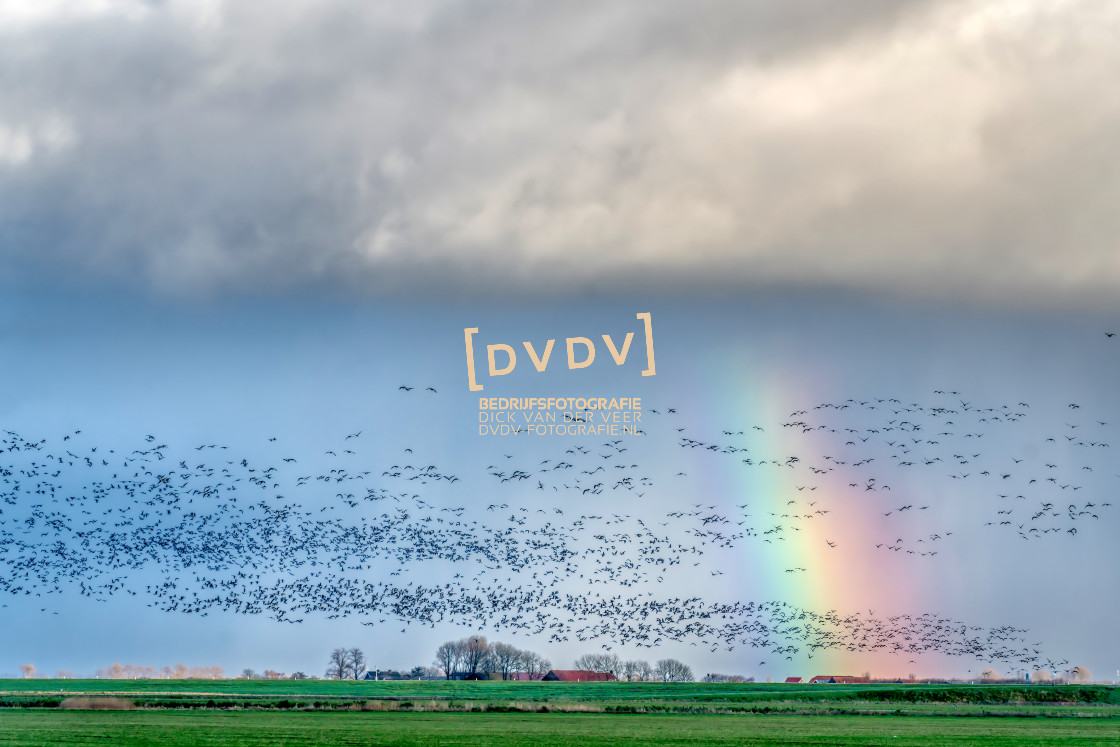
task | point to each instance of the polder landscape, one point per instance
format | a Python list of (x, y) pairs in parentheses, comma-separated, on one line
[(313, 712), (778, 338)]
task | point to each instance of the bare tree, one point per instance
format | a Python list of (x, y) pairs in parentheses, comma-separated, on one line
[(599, 663), (460, 655), (632, 669), (990, 675), (717, 677), (506, 658), (249, 674), (476, 648), (588, 662), (447, 656), (1041, 675), (27, 670), (337, 666), (671, 670), (533, 663), (645, 670), (355, 663)]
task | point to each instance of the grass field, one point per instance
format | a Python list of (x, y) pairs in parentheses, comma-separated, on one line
[(617, 697), (169, 713), (697, 692), (35, 728)]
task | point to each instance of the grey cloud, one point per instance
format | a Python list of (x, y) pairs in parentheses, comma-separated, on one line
[(952, 148)]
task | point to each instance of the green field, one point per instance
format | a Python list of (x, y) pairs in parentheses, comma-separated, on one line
[(615, 697), (34, 728), (169, 713)]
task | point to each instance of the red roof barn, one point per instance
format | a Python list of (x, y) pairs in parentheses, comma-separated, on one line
[(792, 680), (578, 675)]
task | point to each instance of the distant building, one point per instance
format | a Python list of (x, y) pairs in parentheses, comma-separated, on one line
[(839, 679), (475, 676), (793, 680), (578, 675), (390, 674)]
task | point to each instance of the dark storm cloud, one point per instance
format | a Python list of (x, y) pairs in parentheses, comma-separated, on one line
[(949, 147)]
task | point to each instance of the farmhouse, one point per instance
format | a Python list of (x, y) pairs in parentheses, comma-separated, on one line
[(514, 676), (839, 679), (578, 675), (793, 680), (387, 674)]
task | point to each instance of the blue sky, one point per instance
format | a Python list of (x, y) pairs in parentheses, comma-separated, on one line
[(308, 375), (247, 224)]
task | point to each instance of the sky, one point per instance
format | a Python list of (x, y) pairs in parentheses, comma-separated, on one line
[(872, 240)]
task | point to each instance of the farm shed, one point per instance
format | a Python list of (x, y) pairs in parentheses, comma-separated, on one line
[(578, 675)]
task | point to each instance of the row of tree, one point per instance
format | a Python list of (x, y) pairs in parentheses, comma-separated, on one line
[(350, 664), (1076, 675), (636, 670), (118, 671), (716, 677), (270, 674), (346, 664), (474, 655)]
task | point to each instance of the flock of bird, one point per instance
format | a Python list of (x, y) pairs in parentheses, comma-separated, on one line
[(565, 546)]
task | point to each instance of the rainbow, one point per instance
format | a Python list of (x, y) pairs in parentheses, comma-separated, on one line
[(849, 578)]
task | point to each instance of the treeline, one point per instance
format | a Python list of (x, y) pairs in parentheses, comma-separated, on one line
[(346, 664), (350, 664), (178, 672), (475, 655), (636, 670), (715, 677)]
